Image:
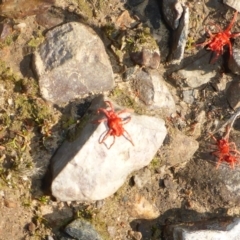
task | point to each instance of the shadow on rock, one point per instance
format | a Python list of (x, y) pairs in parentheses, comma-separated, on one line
[(83, 112)]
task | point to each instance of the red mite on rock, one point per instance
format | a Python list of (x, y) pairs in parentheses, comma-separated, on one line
[(226, 151), (217, 41), (115, 124)]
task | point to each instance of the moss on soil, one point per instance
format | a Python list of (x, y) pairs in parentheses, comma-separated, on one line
[(23, 114)]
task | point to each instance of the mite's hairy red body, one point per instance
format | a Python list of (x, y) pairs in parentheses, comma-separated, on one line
[(226, 151), (114, 123), (217, 41)]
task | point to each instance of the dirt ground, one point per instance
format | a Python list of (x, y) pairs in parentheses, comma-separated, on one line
[(31, 130)]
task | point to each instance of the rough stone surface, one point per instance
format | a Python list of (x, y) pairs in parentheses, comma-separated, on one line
[(70, 61), (172, 12), (152, 90), (189, 95), (221, 229), (231, 178), (146, 58), (140, 207), (232, 94), (179, 38), (233, 3), (234, 61), (80, 229), (93, 171), (193, 75), (183, 154), (232, 232), (49, 19), (142, 177), (129, 73)]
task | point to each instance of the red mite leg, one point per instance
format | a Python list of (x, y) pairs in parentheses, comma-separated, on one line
[(129, 138), (106, 136), (232, 22)]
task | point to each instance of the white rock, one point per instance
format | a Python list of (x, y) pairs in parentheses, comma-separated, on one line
[(233, 3), (232, 232), (85, 170)]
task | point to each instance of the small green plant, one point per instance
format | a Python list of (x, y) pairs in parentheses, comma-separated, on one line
[(44, 199), (84, 213)]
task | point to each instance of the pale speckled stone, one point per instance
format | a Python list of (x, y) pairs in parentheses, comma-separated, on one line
[(84, 170)]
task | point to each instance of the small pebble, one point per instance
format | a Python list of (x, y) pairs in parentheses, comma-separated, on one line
[(10, 204), (31, 227)]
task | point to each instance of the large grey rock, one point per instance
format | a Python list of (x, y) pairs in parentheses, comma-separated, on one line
[(71, 62), (85, 170)]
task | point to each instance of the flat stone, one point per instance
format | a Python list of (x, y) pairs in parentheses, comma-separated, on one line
[(183, 154), (93, 171), (172, 12), (69, 62), (80, 229), (220, 229), (230, 178), (50, 19), (179, 38), (233, 3), (153, 91), (193, 75)]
